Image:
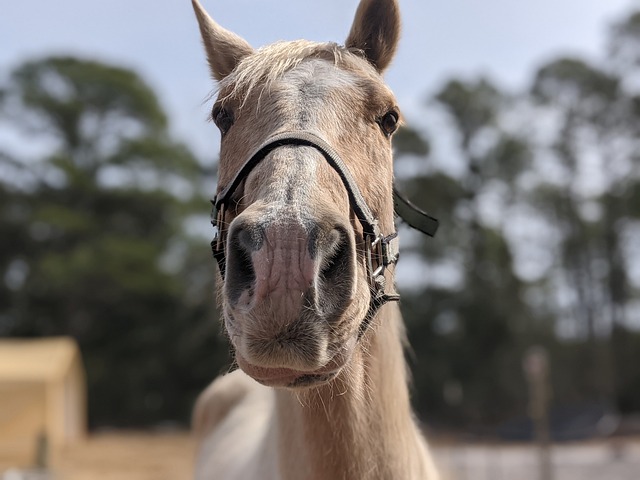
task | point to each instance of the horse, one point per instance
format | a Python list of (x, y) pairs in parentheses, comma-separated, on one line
[(306, 247)]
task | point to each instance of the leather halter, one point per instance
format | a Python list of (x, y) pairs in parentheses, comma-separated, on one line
[(380, 250)]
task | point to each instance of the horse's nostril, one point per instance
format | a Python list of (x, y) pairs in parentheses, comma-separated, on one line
[(336, 255), (243, 240), (249, 237), (335, 237)]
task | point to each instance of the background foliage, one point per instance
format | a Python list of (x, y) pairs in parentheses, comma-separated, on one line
[(538, 193), (94, 242)]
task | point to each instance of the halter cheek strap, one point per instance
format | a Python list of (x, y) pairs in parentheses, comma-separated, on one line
[(380, 250)]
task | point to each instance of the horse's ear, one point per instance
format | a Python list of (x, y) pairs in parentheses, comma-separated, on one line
[(375, 31), (224, 49)]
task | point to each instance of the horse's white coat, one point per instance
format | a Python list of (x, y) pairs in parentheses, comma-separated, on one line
[(234, 450)]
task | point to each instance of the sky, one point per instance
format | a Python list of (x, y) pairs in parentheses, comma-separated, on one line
[(504, 39)]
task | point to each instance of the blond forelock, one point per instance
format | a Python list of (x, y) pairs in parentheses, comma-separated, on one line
[(259, 71)]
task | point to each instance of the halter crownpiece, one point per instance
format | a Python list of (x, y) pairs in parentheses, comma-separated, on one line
[(380, 250)]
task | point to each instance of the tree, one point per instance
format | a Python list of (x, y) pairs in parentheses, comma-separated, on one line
[(95, 244), (596, 109), (466, 332), (561, 159)]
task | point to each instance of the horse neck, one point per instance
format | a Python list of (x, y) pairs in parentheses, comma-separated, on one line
[(359, 426)]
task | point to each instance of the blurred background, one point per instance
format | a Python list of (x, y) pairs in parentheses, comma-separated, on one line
[(522, 137)]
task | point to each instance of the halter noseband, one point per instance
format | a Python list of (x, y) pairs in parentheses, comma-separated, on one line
[(380, 250)]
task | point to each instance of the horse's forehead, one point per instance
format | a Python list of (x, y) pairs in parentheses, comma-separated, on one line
[(320, 84), (318, 74), (321, 89)]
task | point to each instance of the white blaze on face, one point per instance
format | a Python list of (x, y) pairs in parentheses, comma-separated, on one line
[(303, 97)]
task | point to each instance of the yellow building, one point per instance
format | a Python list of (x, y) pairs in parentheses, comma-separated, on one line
[(42, 395)]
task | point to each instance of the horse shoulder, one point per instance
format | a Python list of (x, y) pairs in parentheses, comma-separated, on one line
[(231, 420), (217, 400)]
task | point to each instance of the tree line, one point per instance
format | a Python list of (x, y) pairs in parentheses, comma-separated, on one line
[(94, 243), (538, 193), (541, 233)]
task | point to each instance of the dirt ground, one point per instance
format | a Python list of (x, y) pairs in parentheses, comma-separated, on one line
[(144, 456), (128, 456), (617, 459)]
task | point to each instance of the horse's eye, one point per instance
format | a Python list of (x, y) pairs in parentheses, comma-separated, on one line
[(389, 122), (223, 118)]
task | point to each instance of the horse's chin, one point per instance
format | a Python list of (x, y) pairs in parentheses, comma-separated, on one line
[(287, 378), (291, 378)]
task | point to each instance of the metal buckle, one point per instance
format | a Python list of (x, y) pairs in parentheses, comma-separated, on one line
[(379, 255), (213, 216), (219, 228), (369, 245), (217, 243)]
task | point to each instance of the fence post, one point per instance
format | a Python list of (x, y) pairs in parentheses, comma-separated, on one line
[(536, 368)]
